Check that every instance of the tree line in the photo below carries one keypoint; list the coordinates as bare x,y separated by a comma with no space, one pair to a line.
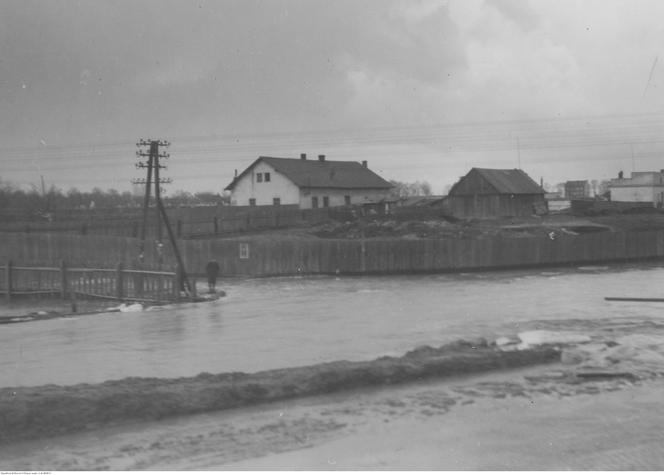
36,202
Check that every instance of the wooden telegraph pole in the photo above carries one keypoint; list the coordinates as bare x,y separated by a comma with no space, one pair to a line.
153,166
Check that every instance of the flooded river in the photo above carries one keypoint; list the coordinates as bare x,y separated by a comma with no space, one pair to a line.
282,322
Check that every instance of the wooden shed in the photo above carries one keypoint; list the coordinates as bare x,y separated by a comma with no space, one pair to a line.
486,192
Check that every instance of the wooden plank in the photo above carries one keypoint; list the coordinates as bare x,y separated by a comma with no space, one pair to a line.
633,299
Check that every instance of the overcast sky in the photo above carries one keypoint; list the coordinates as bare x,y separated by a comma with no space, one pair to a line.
423,90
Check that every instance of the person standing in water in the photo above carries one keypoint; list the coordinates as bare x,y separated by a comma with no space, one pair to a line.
212,270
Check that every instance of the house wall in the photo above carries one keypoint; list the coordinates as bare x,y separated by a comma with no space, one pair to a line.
337,196
483,206
646,194
264,192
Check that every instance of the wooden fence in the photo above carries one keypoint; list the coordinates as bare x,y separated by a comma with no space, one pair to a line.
264,257
71,282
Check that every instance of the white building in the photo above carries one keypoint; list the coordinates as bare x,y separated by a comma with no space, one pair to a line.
307,183
641,187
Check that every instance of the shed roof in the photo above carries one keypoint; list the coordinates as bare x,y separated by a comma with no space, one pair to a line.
507,181
320,174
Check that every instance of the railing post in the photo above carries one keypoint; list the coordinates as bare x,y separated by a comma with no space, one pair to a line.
72,300
63,279
8,280
178,282
119,283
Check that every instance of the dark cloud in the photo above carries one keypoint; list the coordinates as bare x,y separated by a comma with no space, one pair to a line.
182,65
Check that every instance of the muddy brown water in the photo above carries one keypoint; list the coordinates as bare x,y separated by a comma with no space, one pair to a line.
285,322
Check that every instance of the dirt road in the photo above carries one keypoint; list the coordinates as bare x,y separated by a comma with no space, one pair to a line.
523,419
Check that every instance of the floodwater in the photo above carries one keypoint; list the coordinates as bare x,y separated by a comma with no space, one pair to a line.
284,322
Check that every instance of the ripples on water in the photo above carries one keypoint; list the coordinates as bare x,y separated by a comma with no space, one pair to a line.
282,322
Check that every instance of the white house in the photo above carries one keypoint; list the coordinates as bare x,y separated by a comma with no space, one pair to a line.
640,187
307,183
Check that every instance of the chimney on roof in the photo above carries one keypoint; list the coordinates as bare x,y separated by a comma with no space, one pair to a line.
303,156
321,158
365,164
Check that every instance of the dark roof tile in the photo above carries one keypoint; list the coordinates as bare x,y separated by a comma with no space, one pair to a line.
321,174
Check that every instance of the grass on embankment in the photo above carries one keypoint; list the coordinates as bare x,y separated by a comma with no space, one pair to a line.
32,412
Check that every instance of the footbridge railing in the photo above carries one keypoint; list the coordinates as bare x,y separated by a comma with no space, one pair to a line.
71,282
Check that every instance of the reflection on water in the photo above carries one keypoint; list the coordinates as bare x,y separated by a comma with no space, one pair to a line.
280,322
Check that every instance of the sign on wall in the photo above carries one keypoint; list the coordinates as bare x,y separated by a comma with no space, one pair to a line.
244,250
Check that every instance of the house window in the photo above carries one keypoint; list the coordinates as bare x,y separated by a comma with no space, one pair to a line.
244,250
276,201
314,201
259,177
252,201
326,201
267,176
347,200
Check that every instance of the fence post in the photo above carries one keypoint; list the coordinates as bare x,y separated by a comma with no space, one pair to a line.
8,280
119,283
363,256
178,282
63,279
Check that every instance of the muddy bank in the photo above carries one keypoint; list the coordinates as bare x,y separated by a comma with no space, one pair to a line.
32,412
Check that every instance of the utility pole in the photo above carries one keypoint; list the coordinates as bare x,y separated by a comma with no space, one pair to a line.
153,166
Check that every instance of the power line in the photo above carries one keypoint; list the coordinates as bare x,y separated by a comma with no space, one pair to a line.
405,131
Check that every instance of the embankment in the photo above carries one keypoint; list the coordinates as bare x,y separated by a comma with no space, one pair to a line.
32,412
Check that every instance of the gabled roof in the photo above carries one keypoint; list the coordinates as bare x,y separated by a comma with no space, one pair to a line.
320,174
511,181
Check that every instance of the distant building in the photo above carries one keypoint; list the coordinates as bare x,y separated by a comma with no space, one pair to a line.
306,183
577,189
641,187
486,192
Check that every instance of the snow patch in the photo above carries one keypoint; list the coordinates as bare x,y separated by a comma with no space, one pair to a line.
135,307
542,337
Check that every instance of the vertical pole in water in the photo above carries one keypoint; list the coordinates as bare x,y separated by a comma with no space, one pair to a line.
63,280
